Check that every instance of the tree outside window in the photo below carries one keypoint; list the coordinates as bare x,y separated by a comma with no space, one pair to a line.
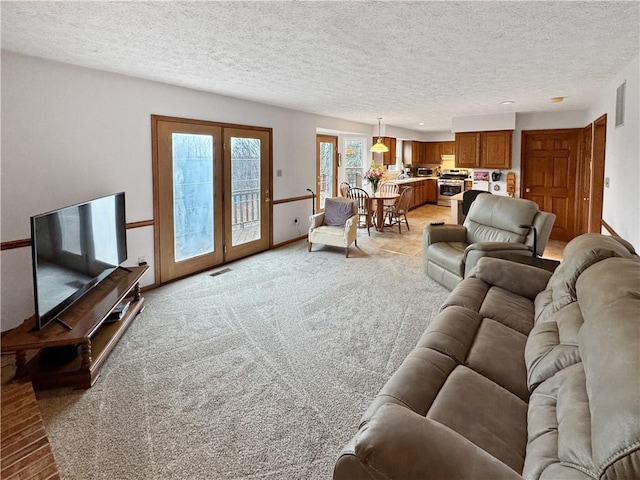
354,161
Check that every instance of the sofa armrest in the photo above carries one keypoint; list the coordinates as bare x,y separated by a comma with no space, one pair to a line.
398,443
476,251
444,233
316,220
524,280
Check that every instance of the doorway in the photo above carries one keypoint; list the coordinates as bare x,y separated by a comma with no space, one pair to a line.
212,201
549,166
326,168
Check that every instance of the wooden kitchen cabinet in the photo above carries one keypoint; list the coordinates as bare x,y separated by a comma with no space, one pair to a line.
447,148
410,152
496,150
388,158
468,150
484,149
432,191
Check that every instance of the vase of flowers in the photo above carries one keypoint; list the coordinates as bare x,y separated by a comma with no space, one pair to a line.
374,175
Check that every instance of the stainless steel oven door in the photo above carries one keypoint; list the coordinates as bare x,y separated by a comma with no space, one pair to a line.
448,188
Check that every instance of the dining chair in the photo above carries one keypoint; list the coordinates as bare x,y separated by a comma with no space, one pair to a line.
361,196
401,207
344,188
388,188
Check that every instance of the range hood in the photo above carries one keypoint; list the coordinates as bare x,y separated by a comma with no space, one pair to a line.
450,158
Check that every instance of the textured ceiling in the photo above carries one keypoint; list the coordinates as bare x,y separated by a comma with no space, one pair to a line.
407,62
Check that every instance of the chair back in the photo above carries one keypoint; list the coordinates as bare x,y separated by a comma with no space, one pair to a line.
468,197
494,218
344,188
361,196
405,200
388,188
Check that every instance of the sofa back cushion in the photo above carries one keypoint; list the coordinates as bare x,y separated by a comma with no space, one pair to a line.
584,421
494,218
579,254
609,341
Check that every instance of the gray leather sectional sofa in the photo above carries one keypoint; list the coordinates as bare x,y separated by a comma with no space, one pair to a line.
524,374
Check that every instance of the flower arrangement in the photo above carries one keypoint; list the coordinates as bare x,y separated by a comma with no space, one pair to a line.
374,175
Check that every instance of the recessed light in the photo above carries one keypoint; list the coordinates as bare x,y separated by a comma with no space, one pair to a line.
507,102
557,99
421,123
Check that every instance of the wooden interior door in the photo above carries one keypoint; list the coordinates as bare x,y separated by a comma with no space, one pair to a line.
597,174
326,169
584,181
549,165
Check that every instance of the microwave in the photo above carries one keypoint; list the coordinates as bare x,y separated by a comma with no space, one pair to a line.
425,172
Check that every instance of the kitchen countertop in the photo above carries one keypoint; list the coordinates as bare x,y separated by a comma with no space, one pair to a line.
411,180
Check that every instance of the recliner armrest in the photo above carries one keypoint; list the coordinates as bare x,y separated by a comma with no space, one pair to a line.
399,443
444,233
524,280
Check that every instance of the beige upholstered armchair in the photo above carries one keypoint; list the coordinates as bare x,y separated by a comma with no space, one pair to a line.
496,226
337,225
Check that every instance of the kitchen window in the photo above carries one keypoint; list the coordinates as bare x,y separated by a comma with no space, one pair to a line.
354,151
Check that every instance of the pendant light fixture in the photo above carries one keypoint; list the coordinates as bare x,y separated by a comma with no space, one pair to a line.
379,147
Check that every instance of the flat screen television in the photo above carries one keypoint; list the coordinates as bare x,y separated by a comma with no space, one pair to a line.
73,249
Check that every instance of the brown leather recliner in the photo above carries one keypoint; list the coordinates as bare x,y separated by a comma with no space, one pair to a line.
494,227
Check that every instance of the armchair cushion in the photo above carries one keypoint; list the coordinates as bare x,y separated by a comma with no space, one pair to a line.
336,212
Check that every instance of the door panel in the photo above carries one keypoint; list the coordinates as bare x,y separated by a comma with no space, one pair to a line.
248,203
549,166
326,168
189,166
584,179
597,174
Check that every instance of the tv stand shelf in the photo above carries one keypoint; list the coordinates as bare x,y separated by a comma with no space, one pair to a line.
89,330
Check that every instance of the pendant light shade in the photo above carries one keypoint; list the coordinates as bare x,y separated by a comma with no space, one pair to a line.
379,147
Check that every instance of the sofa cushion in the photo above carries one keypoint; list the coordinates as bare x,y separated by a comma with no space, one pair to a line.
580,253
337,211
485,413
415,384
553,345
497,353
609,342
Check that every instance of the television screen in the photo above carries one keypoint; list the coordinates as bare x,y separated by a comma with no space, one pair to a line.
73,249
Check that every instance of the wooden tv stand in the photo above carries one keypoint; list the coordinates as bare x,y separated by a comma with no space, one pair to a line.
89,329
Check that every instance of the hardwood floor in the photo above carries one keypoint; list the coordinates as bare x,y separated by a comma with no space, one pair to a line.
410,242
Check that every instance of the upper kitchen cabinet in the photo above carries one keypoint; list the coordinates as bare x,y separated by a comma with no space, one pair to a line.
484,149
388,158
496,150
410,152
468,150
448,148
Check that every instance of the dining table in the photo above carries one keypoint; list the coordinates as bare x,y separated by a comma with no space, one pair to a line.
376,203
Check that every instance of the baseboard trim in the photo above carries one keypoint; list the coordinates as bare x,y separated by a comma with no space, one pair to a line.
288,242
608,228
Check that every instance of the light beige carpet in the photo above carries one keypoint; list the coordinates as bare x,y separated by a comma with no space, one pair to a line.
259,372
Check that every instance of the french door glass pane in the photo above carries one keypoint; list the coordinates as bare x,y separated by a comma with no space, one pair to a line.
354,161
326,171
245,190
192,195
